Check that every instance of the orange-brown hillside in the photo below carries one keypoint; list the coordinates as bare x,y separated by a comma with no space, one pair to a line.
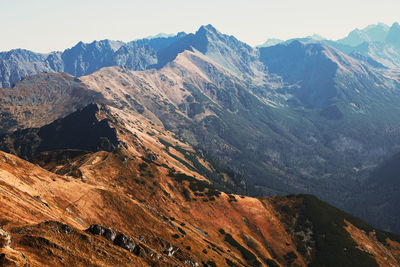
145,204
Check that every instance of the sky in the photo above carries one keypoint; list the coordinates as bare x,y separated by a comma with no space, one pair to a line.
49,25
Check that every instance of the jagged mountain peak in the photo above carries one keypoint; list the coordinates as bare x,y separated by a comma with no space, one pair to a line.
212,35
225,50
393,36
310,72
299,47
16,51
315,49
395,25
372,33
105,44
354,38
21,54
379,25
382,47
79,44
87,58
115,45
207,29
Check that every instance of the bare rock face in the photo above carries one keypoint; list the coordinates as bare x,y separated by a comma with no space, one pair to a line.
5,239
119,239
124,242
96,229
108,233
139,249
82,59
19,63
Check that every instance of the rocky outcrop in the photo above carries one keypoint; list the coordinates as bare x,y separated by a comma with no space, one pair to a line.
19,63
139,249
11,257
5,239
118,239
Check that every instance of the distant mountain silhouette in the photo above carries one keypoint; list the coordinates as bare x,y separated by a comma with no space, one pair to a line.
82,59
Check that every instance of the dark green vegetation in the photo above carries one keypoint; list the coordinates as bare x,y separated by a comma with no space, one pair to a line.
332,244
199,188
216,175
271,263
230,263
381,195
290,257
250,258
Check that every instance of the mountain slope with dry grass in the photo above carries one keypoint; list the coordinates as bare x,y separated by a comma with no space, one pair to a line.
257,134
142,204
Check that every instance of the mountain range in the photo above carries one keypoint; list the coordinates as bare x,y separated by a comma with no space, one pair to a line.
375,44
183,126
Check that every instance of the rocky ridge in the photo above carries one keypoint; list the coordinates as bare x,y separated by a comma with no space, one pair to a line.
127,207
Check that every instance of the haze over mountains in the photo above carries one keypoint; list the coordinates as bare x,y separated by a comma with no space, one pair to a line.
83,59
377,44
303,116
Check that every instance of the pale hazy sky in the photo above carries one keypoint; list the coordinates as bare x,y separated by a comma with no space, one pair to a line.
47,25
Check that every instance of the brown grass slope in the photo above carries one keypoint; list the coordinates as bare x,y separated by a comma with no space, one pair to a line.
147,191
